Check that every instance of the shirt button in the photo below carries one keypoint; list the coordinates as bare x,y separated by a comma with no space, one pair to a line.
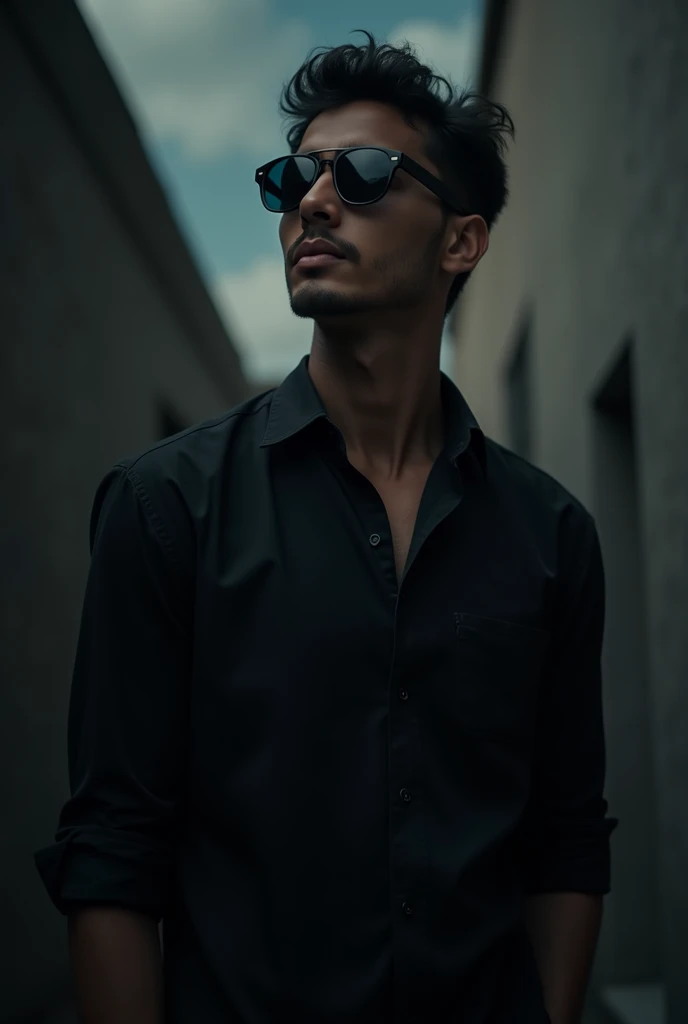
374,539
407,908
403,694
405,795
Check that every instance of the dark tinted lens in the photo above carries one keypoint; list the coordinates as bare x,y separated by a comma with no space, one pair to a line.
363,175
287,182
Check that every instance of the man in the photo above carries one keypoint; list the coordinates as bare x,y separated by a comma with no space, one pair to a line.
336,714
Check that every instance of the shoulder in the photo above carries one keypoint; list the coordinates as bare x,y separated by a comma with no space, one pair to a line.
549,508
193,458
557,524
176,479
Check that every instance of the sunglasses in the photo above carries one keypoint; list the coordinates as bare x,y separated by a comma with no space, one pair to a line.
361,175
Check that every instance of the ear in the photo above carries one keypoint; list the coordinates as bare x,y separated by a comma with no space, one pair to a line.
467,243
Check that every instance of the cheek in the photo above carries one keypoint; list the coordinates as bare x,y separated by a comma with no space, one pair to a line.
395,247
288,231
391,231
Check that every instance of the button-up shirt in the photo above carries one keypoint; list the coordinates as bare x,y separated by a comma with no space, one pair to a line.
334,788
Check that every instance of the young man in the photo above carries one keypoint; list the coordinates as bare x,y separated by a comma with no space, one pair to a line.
336,714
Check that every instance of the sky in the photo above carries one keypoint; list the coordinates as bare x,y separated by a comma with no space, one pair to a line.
202,79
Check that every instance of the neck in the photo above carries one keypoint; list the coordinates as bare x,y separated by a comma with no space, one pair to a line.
381,388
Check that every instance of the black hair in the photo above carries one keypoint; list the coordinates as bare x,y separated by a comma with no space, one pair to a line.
467,132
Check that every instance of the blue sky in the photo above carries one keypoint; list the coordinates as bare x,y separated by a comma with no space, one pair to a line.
202,79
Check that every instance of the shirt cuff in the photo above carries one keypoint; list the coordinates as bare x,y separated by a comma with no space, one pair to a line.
566,856
105,866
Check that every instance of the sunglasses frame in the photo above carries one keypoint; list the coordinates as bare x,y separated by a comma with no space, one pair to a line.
397,160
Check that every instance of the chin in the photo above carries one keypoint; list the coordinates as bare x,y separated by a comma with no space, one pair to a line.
317,301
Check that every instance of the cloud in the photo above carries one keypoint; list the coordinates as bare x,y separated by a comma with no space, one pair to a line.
204,74
450,50
256,307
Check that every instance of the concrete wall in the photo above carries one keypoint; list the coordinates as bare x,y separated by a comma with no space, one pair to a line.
106,333
593,247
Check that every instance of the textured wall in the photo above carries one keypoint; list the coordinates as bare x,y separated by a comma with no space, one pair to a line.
91,344
594,243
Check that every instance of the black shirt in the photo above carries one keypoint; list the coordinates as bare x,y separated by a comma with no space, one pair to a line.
335,790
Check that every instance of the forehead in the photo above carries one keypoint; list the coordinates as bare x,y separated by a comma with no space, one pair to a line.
364,123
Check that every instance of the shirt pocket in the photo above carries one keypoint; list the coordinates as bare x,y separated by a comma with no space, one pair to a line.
499,665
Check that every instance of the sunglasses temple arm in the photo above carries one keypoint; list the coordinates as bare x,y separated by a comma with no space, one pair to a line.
431,182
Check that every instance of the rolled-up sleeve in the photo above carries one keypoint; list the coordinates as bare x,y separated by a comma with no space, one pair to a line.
567,828
128,721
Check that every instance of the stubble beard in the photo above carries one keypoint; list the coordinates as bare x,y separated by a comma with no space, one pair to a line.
402,287
315,300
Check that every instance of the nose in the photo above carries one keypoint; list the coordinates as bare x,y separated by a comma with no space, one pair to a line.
321,203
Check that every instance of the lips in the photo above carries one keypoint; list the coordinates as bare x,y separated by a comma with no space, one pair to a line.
316,253
321,259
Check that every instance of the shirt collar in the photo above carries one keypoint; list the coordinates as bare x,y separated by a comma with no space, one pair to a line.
296,404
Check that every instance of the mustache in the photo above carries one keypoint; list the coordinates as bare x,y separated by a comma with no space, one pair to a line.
346,248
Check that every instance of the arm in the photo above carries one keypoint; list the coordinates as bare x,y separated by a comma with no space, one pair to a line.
567,848
563,928
111,867
117,966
